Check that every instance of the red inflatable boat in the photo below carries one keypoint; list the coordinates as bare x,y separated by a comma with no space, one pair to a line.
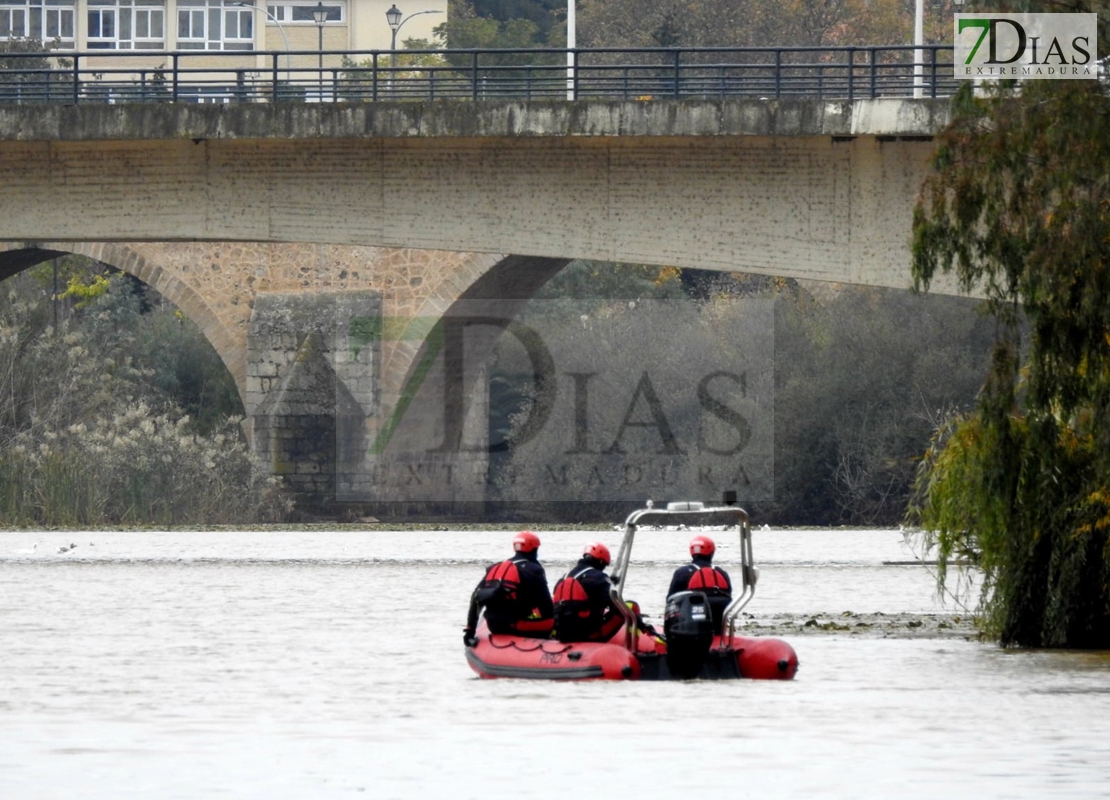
691,649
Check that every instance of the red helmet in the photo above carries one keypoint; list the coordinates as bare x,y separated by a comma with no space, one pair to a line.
702,546
598,551
526,542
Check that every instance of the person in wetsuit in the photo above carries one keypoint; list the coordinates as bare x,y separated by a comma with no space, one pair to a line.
701,576
513,595
584,608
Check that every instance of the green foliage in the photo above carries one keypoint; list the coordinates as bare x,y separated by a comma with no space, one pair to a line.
483,33
54,275
592,284
543,14
644,417
862,379
30,46
185,367
412,62
358,76
133,467
468,28
668,33
583,280
1019,207
85,292
29,75
511,24
1023,499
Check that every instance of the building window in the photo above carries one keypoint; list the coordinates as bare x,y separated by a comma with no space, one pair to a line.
49,21
302,12
214,25
127,24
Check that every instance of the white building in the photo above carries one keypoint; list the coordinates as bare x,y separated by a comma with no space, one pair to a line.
208,26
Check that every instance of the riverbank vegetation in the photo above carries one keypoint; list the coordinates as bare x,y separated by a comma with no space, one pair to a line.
115,410
1020,206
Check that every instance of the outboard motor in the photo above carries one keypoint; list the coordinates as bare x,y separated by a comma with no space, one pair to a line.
688,628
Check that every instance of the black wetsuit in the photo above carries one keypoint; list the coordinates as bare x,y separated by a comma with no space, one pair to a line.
717,588
521,607
592,618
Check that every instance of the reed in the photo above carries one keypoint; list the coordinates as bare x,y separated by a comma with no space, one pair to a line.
135,467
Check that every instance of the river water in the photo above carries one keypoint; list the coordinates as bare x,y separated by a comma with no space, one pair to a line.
316,664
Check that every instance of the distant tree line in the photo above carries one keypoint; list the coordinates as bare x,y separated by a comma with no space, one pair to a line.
862,378
671,23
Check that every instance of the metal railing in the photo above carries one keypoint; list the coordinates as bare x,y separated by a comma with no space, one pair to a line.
371,76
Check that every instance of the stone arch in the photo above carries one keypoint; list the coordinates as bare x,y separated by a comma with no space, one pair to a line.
216,284
503,282
20,256
511,280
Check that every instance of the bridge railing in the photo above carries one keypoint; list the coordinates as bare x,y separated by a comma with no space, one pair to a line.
478,74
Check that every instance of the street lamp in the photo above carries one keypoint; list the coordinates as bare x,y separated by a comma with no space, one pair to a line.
393,17
320,16
918,52
571,44
284,38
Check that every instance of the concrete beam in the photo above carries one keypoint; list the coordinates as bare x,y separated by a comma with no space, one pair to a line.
447,118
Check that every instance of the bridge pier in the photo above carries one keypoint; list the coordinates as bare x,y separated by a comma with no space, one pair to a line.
310,386
314,410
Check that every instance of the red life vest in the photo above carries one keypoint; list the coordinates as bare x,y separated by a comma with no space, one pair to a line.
573,613
570,592
708,578
503,579
500,591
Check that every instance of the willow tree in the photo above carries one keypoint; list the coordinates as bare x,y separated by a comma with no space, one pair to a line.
1018,208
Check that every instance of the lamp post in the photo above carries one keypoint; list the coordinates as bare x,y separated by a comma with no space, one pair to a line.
284,38
918,52
571,44
320,16
393,17
396,19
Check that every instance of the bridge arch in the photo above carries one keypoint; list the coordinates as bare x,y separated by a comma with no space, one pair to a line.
216,284
189,298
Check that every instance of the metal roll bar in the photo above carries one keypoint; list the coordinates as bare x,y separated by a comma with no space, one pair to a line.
749,573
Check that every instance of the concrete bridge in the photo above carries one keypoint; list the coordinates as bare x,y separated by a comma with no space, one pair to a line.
281,229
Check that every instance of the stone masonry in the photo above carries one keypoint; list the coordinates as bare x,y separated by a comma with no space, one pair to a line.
806,207
809,189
